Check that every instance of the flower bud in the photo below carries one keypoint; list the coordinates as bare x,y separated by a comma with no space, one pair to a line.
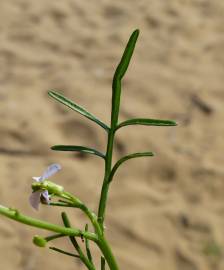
36,186
52,188
39,241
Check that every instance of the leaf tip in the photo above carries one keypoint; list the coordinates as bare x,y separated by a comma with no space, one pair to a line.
54,147
136,32
50,92
151,154
173,123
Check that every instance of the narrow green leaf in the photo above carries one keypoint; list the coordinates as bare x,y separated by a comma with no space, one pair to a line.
126,57
146,122
64,252
76,148
72,239
60,204
69,103
102,263
118,75
88,252
122,160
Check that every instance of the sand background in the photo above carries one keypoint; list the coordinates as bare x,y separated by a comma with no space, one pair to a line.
165,212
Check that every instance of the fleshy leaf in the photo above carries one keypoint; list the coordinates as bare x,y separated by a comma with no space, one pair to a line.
146,122
69,103
126,57
120,161
77,148
119,74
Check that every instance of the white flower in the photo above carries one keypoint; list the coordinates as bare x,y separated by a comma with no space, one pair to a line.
41,195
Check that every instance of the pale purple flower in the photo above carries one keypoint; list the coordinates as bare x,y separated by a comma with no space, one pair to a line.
42,195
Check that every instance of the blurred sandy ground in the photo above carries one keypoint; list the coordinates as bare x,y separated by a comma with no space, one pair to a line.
164,213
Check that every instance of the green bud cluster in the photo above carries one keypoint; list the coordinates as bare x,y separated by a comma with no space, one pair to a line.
51,187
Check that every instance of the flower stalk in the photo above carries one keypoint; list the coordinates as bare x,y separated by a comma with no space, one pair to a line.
17,216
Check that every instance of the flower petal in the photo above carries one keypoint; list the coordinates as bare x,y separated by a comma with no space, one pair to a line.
52,169
34,199
46,196
37,178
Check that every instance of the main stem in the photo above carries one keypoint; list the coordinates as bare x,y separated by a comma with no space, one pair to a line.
105,187
116,89
107,253
98,227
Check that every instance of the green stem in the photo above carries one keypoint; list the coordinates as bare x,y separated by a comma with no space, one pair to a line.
101,242
107,253
60,204
54,236
83,258
105,186
102,263
16,215
88,252
116,87
79,204
116,95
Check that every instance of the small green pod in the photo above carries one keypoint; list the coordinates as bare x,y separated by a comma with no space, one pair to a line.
39,241
36,186
52,188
